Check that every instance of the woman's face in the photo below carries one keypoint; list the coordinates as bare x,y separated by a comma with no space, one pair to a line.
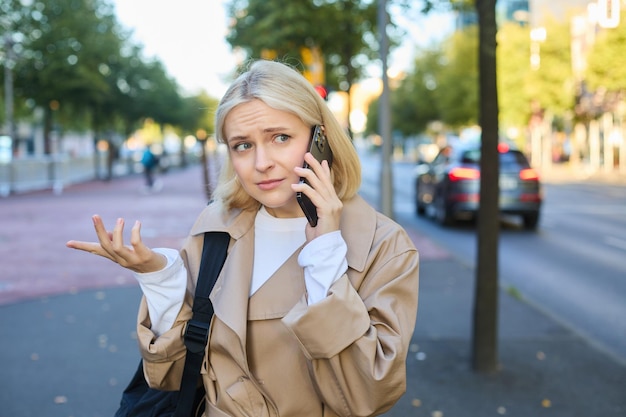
265,145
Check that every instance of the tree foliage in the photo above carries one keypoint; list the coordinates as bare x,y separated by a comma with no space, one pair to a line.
344,30
414,102
552,84
451,71
76,62
513,56
606,68
457,92
441,86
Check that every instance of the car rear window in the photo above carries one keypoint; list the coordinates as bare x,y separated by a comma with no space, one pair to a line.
471,156
513,158
507,159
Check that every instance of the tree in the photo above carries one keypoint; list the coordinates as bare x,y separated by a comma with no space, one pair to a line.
485,317
414,102
457,81
606,67
485,323
343,30
60,73
552,84
12,12
513,72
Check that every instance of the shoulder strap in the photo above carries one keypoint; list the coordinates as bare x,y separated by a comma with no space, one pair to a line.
214,254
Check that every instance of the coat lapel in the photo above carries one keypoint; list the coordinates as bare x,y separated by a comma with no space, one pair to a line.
279,293
230,294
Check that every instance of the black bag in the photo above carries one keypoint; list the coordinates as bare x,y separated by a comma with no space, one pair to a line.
138,399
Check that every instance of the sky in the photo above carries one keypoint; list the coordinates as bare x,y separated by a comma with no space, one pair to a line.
188,36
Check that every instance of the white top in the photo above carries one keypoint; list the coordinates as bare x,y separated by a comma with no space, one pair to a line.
276,239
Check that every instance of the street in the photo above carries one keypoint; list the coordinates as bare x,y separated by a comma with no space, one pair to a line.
68,319
573,268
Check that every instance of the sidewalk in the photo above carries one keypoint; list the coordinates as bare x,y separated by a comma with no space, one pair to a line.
67,319
564,172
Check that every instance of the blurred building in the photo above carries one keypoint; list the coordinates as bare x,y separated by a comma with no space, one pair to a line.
524,12
506,11
559,9
513,11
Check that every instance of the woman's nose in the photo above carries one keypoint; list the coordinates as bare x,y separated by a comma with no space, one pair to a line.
264,159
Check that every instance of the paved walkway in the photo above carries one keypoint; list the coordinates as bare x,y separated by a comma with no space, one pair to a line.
67,319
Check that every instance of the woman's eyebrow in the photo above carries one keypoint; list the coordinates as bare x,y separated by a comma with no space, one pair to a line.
275,129
236,138
266,130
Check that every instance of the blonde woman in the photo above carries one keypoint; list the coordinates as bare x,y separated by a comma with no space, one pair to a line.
309,321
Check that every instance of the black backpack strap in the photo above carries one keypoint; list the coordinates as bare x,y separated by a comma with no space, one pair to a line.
197,332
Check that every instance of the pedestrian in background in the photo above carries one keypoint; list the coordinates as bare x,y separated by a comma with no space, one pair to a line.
150,162
309,320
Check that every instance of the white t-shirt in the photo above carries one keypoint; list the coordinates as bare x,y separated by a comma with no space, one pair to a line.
276,239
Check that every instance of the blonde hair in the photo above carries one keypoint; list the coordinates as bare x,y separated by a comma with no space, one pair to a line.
283,88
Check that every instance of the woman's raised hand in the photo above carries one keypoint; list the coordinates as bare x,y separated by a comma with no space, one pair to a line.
322,193
137,257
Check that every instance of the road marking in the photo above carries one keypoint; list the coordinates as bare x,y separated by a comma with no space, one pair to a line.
613,241
582,209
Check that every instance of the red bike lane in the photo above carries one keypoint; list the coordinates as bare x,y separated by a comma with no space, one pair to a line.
34,228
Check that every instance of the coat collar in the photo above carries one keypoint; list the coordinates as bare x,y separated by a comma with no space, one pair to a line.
230,296
358,225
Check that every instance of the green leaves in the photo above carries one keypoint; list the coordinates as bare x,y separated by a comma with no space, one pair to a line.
342,29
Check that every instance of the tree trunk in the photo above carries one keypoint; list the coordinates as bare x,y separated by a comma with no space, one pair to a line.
485,331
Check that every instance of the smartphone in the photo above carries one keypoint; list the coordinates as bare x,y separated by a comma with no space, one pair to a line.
321,151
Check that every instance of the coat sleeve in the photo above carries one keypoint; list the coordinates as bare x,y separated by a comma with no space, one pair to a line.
357,338
164,356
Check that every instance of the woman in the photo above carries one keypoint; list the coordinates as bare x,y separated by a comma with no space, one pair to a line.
309,321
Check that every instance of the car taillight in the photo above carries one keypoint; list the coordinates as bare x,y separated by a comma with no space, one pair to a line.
529,174
458,174
530,198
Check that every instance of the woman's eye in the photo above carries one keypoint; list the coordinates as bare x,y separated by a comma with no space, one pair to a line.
240,147
281,138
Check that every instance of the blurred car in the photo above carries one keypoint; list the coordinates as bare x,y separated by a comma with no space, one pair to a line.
448,188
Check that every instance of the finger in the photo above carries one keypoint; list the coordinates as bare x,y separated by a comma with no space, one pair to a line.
98,224
314,164
316,182
321,169
118,236
135,240
91,247
104,236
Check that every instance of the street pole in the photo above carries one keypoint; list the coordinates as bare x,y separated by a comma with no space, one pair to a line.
8,87
386,181
202,138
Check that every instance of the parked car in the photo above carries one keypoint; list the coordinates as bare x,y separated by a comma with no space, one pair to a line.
448,188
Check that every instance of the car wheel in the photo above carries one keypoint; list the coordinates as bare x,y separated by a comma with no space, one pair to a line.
443,216
530,221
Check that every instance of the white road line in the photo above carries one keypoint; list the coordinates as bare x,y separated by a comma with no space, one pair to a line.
583,209
613,241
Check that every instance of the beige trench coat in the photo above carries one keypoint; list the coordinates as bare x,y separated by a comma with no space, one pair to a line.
273,355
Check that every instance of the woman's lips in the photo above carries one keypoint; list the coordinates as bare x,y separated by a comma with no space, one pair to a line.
269,184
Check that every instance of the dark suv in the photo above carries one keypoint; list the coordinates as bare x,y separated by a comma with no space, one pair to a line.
449,187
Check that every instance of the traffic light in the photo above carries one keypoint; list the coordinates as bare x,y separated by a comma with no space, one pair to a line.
322,91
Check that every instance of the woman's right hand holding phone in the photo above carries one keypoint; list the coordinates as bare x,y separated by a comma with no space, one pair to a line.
137,257
321,191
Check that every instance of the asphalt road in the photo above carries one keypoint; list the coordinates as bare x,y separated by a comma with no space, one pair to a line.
67,319
573,268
